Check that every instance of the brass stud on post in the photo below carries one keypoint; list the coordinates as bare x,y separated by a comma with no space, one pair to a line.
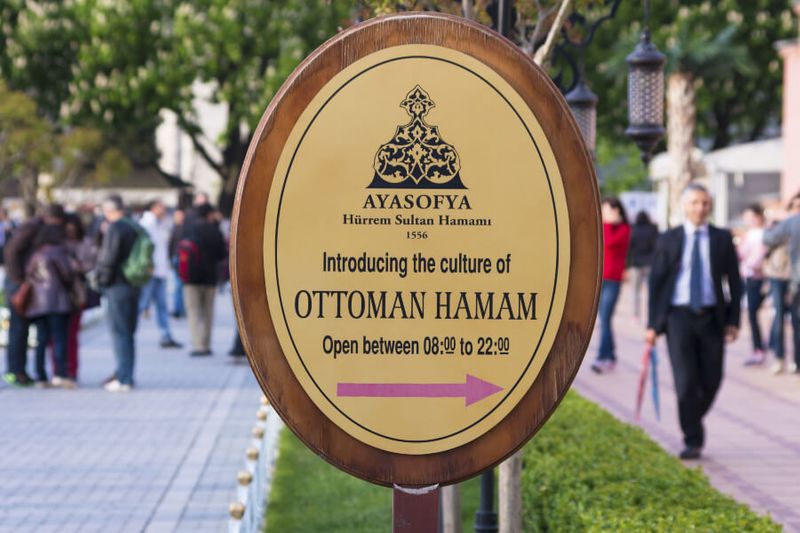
252,453
261,415
236,510
258,432
244,477
264,400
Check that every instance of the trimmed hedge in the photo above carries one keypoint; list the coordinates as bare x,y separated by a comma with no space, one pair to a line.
586,471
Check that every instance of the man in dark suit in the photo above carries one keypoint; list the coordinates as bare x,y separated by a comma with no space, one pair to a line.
687,302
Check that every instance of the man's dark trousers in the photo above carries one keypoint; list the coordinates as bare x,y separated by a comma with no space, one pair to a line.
696,343
18,325
123,315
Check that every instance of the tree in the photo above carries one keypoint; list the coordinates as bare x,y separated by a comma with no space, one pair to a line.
25,143
245,49
694,55
31,146
732,106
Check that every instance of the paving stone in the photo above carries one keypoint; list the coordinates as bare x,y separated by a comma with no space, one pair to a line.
88,460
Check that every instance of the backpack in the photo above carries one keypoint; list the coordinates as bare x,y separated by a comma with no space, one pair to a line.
138,267
189,261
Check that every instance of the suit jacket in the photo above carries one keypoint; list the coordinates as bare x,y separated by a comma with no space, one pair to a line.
666,266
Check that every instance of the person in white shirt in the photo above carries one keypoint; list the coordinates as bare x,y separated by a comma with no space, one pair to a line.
688,304
751,256
156,222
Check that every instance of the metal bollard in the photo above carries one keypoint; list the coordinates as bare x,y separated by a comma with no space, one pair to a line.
236,510
247,513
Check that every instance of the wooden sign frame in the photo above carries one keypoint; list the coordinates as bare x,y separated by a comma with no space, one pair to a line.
247,262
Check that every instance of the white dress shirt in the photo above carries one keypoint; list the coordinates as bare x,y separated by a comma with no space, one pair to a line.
682,286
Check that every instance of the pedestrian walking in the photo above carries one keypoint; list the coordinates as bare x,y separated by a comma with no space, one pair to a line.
787,232
644,235
616,238
17,252
778,270
121,295
200,251
751,256
155,222
687,302
84,256
51,275
178,221
6,227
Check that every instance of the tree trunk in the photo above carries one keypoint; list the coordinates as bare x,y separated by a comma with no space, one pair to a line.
680,137
451,509
510,495
29,186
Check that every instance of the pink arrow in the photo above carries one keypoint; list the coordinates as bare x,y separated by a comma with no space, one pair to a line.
473,390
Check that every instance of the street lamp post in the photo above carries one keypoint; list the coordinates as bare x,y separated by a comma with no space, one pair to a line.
583,103
646,92
486,516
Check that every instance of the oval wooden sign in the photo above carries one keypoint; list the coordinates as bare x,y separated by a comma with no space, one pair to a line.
416,250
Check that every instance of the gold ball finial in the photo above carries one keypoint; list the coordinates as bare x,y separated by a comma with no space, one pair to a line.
258,432
252,453
261,415
236,510
244,477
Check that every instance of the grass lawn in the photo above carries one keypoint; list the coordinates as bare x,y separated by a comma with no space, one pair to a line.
309,495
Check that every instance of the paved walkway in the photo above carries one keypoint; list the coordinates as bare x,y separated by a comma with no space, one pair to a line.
753,431
162,458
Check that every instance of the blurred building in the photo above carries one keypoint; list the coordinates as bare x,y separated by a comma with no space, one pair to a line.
790,52
179,157
737,176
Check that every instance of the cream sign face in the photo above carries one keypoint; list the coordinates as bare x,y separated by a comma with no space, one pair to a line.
416,249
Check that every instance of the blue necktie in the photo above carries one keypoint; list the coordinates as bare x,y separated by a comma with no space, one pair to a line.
696,279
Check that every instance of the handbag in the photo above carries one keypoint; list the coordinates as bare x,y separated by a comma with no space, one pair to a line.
78,293
22,298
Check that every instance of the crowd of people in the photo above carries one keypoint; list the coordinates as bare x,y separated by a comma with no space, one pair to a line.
59,264
699,277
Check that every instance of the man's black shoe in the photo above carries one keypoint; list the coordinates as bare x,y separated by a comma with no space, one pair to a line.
236,353
170,343
690,453
199,353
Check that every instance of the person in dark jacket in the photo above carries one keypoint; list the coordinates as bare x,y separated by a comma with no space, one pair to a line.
644,235
121,296
198,293
178,221
17,252
51,274
688,303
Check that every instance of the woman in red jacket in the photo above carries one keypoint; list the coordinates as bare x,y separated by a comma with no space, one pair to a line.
616,237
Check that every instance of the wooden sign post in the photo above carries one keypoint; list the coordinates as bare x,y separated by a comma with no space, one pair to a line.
416,250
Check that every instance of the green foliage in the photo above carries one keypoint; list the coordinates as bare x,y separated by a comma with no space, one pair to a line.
114,66
31,144
25,137
309,495
586,471
619,167
740,92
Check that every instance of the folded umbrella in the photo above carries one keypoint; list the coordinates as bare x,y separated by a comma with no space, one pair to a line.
654,375
642,380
